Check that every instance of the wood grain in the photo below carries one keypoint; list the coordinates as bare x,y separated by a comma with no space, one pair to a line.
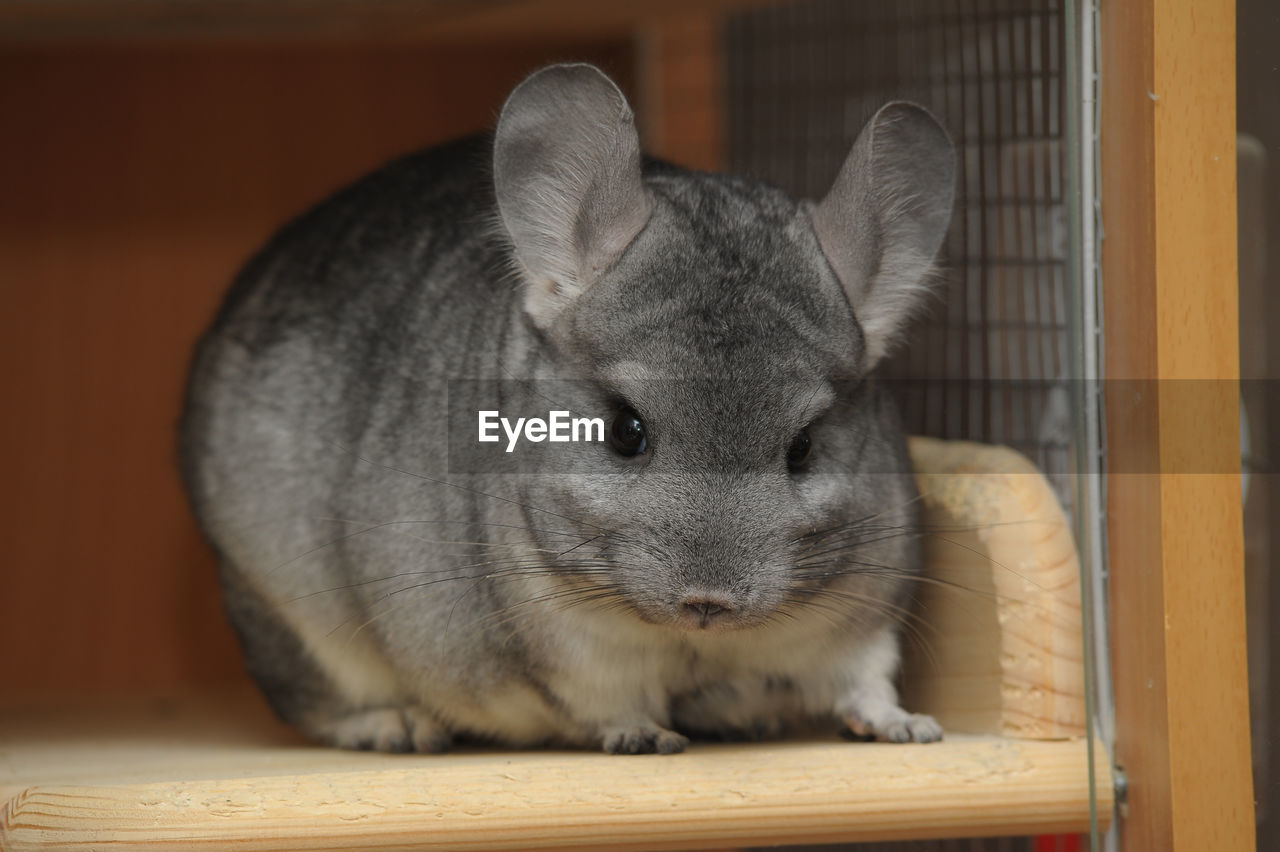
1174,525
999,648
218,773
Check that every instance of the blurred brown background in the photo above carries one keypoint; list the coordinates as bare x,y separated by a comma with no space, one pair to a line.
143,159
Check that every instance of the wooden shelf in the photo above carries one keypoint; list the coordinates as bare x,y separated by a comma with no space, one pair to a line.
211,773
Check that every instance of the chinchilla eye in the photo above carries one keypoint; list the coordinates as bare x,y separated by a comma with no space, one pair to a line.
627,434
798,452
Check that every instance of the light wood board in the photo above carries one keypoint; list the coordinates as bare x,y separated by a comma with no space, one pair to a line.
214,772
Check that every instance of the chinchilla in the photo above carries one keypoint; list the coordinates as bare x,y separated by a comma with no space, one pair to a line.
736,556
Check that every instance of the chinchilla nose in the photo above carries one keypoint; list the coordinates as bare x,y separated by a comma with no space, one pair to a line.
704,607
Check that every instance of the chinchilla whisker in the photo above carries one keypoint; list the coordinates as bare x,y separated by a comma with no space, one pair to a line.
623,544
522,561
983,555
852,545
360,628
522,568
910,621
923,641
561,597
401,605
605,601
863,526
417,521
877,604
940,528
579,544
354,534
608,601
815,596
865,538
855,545
320,547
862,521
461,487
865,530
564,598
987,558
847,567
515,573
916,579
476,584
507,563
517,561
781,612
813,392
470,544
455,578
349,586
865,533
867,569
918,628
927,529
835,618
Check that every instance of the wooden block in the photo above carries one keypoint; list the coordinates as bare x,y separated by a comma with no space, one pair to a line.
998,646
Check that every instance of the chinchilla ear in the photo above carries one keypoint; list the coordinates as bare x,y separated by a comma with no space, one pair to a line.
567,174
882,222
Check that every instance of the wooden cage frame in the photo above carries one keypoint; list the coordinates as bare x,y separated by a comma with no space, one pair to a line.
1169,260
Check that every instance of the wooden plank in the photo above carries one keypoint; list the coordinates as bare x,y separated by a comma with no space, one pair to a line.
212,773
1201,513
1169,271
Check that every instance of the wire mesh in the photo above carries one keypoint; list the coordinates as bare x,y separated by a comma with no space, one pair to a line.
990,359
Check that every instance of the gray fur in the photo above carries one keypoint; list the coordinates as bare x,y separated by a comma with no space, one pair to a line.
885,216
383,601
567,170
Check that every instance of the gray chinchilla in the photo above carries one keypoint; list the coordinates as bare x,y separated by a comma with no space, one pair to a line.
736,555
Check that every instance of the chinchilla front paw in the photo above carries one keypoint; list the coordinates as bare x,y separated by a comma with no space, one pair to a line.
389,729
643,739
897,726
